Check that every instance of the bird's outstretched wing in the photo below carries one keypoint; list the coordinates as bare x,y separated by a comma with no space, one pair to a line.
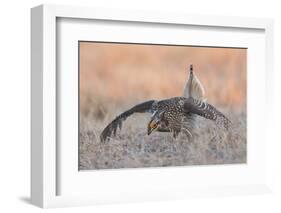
206,110
117,122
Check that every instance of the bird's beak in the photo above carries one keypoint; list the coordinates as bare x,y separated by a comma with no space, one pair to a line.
152,126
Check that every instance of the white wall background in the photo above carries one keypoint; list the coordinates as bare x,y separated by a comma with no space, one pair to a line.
15,103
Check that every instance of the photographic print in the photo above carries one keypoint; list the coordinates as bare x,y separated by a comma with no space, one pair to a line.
150,105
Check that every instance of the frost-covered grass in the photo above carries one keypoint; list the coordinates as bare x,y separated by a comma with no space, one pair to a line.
133,148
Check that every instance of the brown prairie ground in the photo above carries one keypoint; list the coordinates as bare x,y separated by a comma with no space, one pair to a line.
114,77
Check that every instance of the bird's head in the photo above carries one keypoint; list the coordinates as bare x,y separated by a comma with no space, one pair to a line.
154,123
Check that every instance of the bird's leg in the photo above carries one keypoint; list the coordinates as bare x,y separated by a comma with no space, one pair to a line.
187,132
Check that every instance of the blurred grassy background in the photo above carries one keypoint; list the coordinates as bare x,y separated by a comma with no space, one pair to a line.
125,73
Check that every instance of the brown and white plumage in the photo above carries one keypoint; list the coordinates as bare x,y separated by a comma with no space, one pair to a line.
193,87
168,115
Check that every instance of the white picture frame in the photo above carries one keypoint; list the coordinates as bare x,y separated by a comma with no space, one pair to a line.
46,168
